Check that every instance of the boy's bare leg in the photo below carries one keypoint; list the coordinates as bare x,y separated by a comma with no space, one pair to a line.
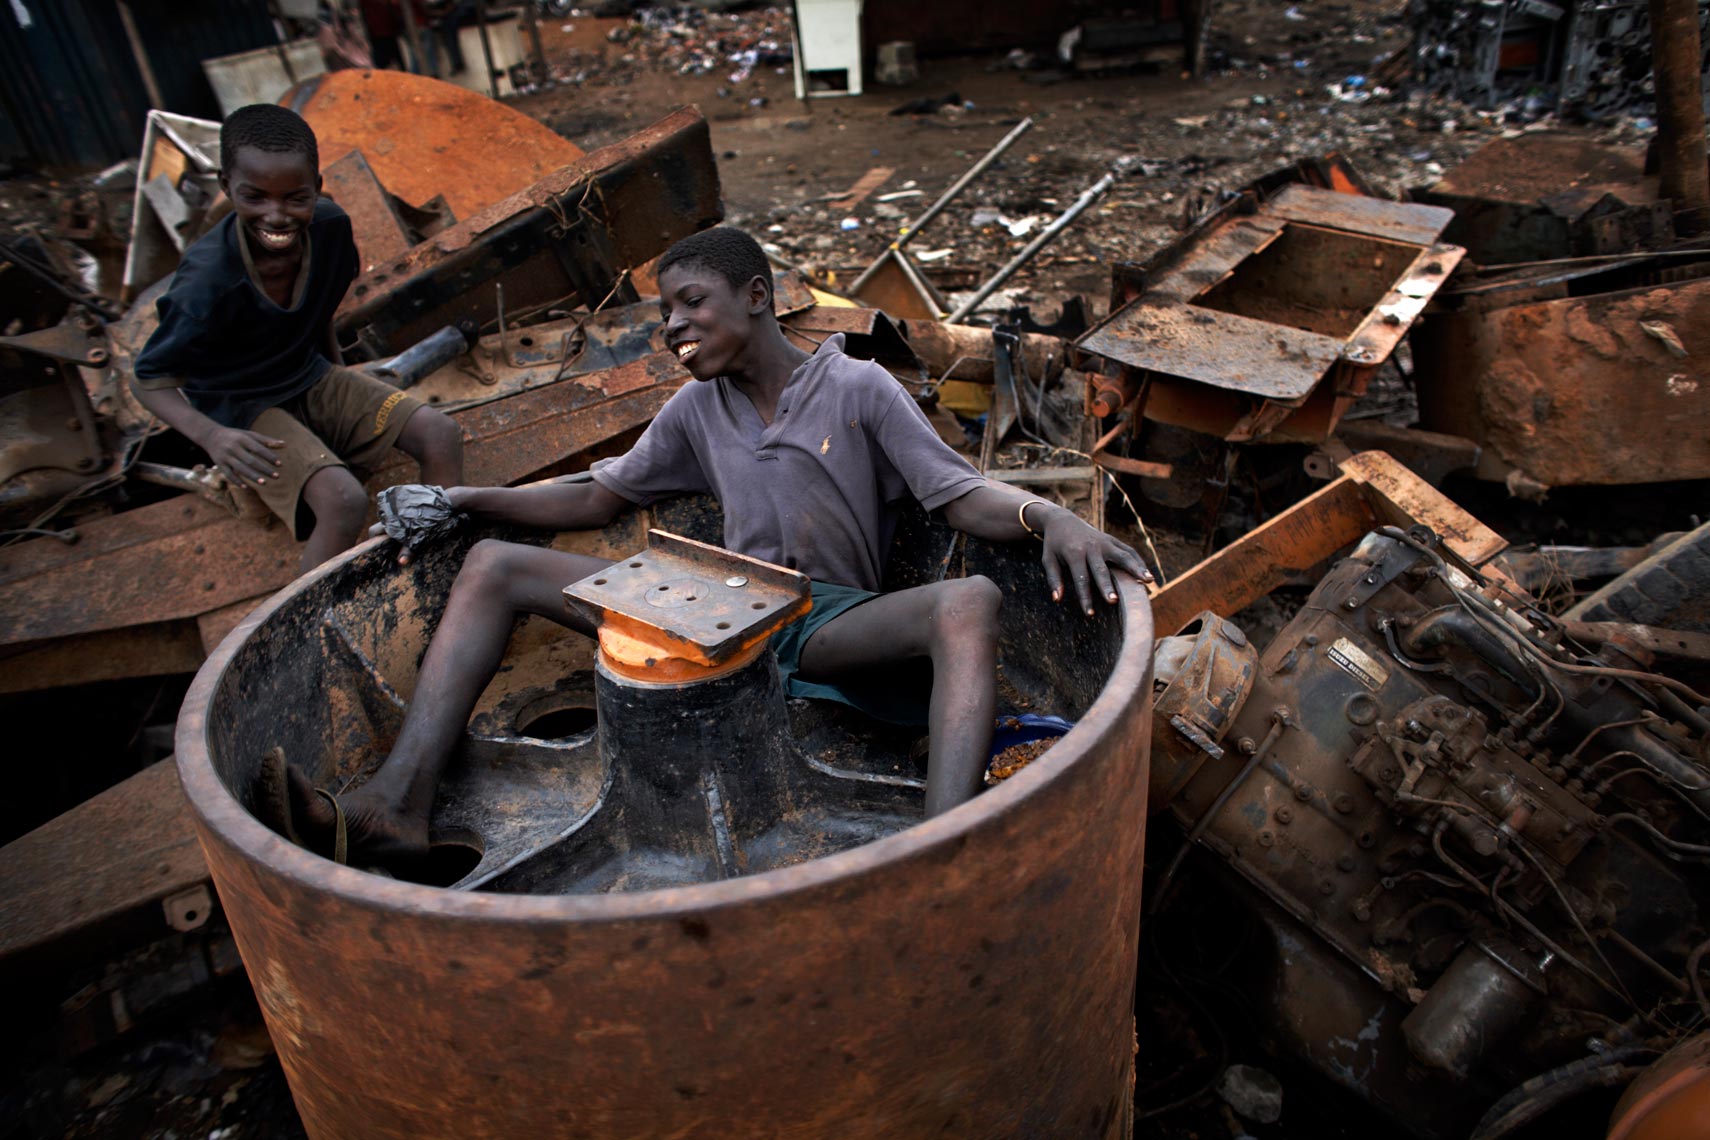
387,818
953,622
435,442
340,506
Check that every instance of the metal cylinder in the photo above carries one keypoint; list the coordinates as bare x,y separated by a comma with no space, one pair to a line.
1481,998
428,356
972,975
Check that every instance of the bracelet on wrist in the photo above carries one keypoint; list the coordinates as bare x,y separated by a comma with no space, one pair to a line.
1022,516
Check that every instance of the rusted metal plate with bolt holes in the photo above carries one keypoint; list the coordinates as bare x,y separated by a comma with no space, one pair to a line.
707,604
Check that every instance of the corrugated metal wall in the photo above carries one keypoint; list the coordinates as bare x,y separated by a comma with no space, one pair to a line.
70,89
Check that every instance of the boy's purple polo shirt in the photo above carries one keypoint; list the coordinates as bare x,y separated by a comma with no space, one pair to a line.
817,489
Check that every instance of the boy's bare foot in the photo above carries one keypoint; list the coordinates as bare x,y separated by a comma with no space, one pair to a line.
376,833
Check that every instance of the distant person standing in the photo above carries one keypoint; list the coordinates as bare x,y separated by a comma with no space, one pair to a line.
387,26
452,15
384,22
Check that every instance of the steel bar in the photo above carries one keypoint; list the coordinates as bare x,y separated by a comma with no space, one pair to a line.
1088,196
487,48
1684,179
944,200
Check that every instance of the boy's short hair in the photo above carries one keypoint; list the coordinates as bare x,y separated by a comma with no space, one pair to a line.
269,127
725,250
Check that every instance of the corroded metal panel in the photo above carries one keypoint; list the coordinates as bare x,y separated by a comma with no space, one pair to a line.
186,556
1576,391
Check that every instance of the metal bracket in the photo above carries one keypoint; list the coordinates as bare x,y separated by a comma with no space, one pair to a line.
189,909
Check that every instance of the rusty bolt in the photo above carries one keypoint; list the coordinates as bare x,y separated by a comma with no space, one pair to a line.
1345,863
1246,746
1310,639
1386,773
1351,604
1285,815
1303,792
1365,839
1345,804
97,357
1326,888
1266,839
1362,911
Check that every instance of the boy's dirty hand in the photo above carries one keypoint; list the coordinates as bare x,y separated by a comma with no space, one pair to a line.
1085,555
414,514
247,456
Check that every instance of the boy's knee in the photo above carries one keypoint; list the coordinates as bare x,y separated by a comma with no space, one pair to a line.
439,434
488,562
968,605
336,498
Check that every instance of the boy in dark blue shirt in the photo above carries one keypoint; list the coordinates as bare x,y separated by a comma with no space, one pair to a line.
245,364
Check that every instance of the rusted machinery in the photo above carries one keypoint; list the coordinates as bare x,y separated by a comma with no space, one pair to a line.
1469,835
971,975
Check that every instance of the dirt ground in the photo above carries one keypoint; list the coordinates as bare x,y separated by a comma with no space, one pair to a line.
1278,89
1265,101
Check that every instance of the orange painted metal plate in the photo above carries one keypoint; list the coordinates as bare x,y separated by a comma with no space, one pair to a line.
424,137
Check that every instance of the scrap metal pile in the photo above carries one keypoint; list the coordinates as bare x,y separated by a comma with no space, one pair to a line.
1467,822
1585,57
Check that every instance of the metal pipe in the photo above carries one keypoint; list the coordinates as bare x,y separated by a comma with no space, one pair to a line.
1090,195
932,211
425,357
140,53
487,48
538,67
1684,180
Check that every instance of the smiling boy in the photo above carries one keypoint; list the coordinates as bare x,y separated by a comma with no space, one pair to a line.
811,457
244,362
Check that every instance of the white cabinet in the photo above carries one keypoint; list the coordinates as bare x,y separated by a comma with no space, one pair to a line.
828,47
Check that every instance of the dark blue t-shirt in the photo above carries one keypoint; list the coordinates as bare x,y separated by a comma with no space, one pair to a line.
235,352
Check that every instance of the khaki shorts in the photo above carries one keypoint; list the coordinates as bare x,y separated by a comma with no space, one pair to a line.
349,419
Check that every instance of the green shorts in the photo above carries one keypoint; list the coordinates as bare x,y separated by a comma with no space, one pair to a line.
896,694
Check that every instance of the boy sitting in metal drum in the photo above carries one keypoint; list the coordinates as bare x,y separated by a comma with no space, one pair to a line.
244,362
810,456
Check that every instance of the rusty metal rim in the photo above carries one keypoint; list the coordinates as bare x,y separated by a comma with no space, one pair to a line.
220,810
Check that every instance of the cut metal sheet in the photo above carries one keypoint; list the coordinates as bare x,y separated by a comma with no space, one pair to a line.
425,137
1269,319
1378,217
564,241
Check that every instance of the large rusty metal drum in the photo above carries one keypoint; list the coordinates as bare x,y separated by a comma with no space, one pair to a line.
971,975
